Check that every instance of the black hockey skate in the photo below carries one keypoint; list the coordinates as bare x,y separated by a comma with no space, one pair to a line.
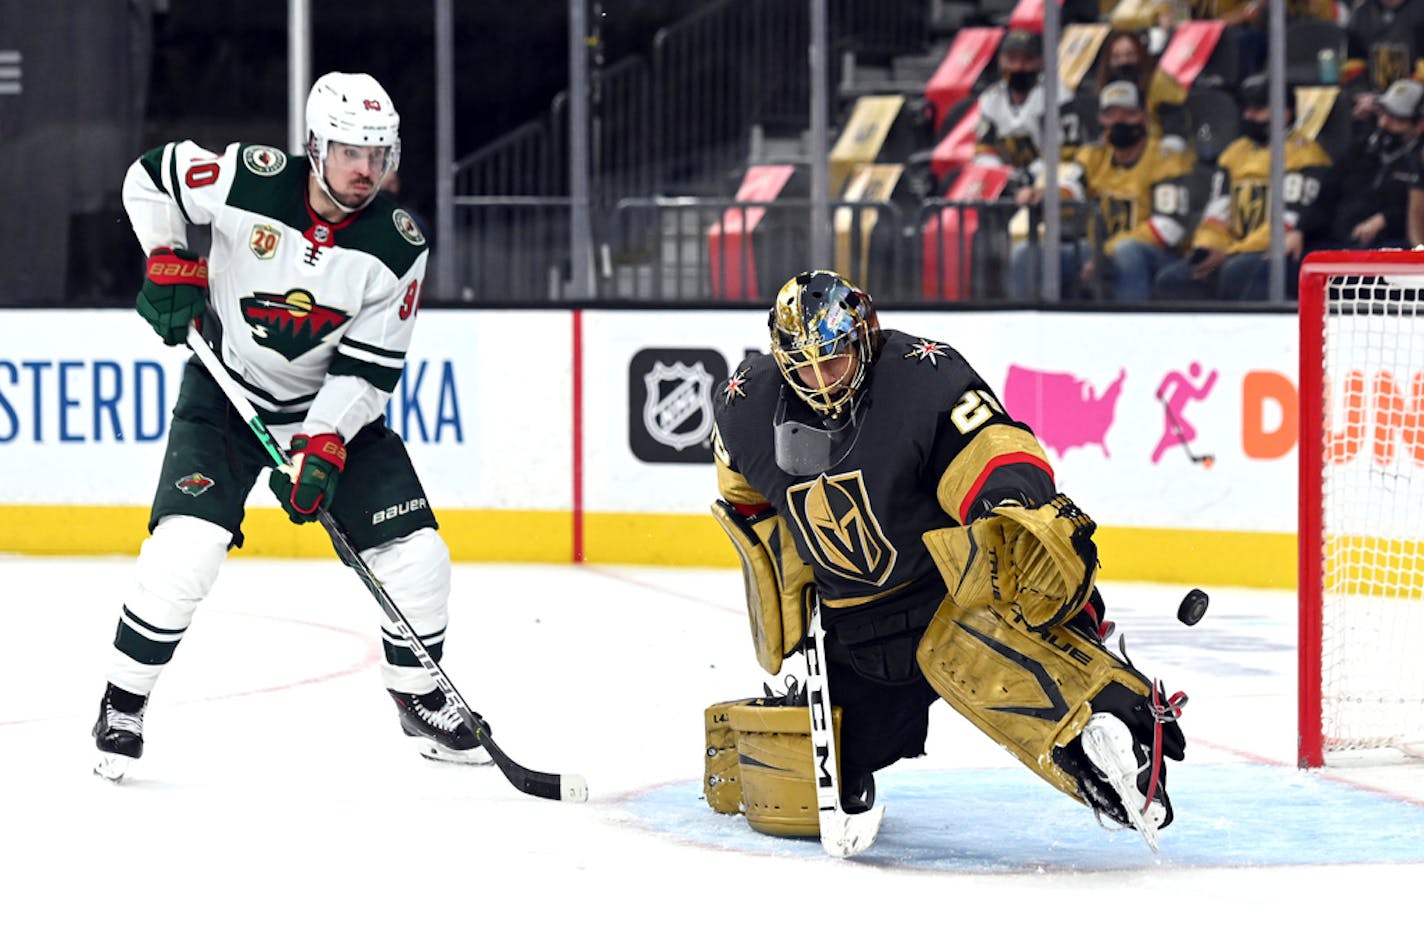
118,733
439,731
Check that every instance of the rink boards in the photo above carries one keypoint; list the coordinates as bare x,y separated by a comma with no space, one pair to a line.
556,435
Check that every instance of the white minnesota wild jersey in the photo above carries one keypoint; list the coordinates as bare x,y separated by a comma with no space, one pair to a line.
316,317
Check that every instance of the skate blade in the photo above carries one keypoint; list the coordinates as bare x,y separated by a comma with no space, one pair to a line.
432,750
1105,752
112,767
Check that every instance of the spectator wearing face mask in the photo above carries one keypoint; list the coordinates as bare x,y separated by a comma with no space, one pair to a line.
1125,57
1137,184
1414,216
1011,110
1364,198
1234,235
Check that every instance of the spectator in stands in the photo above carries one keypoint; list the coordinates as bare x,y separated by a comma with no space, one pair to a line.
1414,217
1364,196
1010,133
1384,42
1234,235
1010,130
1244,18
1136,181
1125,56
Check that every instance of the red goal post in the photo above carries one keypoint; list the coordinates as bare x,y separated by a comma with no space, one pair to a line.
1361,507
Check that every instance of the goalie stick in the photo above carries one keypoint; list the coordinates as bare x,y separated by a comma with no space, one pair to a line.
842,834
571,788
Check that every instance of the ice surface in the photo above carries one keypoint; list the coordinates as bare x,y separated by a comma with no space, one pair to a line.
277,803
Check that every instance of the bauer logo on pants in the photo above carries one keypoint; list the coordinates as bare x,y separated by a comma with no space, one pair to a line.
670,404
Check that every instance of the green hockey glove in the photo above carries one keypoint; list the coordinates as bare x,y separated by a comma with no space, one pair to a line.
174,292
317,463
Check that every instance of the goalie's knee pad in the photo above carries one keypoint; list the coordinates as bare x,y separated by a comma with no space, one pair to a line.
779,583
759,756
1033,692
415,572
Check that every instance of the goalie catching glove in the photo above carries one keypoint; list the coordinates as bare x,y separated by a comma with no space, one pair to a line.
310,483
174,292
1033,567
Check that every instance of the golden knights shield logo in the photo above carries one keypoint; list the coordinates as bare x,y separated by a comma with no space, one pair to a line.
840,528
1388,62
1119,214
1248,205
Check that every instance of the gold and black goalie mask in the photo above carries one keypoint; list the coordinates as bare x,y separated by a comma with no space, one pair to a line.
823,335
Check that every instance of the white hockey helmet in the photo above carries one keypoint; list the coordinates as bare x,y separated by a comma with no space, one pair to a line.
353,109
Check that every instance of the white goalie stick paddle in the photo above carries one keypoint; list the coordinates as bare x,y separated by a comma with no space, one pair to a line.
842,834
570,788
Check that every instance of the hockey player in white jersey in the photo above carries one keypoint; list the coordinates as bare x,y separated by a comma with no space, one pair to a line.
309,297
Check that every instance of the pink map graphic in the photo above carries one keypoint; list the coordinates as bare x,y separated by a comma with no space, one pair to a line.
1063,410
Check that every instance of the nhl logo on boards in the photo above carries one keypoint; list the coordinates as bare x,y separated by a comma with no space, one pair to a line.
407,227
670,404
264,161
194,484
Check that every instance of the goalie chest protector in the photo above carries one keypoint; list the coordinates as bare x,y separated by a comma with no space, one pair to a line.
860,521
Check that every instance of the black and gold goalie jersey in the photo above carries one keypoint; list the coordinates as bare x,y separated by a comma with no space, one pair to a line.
1237,218
930,446
1145,201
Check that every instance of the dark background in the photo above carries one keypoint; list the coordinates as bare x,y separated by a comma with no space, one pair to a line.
104,81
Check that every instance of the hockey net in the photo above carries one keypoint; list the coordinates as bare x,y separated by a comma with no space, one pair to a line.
1361,522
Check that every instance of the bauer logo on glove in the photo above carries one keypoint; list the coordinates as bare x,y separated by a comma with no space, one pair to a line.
174,292
309,485
1034,567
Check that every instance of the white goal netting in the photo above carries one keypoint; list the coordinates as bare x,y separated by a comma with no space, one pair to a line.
1371,642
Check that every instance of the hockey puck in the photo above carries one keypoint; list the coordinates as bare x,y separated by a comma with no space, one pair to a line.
1193,607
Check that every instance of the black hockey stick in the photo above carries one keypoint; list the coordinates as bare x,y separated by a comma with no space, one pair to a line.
571,788
1205,460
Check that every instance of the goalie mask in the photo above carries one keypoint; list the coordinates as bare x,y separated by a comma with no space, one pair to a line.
351,109
824,335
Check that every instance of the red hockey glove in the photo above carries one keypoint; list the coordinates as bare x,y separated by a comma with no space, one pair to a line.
317,463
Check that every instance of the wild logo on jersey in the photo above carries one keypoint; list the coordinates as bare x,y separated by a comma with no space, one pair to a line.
292,323
840,529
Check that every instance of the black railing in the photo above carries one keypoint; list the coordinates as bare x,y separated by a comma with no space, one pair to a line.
709,250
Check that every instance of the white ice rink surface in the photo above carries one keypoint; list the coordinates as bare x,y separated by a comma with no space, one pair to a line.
277,803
